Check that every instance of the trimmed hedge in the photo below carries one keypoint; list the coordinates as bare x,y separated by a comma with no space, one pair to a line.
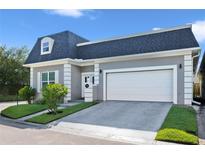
178,136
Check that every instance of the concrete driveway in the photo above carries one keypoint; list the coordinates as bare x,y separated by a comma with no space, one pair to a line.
145,116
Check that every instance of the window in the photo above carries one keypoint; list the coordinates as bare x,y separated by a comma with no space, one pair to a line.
47,78
46,47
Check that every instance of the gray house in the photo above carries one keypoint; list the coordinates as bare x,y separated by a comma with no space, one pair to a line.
152,66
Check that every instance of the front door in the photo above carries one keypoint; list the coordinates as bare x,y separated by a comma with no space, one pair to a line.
87,78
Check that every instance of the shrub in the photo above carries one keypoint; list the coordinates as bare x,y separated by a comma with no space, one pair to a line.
40,101
27,93
175,135
52,94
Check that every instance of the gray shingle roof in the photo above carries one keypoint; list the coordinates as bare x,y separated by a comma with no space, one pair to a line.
65,45
170,40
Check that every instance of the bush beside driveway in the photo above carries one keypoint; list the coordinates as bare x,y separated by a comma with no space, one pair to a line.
179,126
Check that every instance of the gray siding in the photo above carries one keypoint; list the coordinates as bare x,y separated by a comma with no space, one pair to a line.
75,82
143,63
87,68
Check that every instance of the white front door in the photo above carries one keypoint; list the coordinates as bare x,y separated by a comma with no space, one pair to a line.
87,78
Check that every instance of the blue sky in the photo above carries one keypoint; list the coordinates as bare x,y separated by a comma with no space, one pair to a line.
23,27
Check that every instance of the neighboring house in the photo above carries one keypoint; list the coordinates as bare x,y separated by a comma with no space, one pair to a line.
203,78
153,66
200,80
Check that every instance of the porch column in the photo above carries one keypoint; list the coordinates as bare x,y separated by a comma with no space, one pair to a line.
96,73
31,77
67,81
188,79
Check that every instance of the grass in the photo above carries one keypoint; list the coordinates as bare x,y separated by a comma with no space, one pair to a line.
178,136
6,98
49,117
22,110
179,126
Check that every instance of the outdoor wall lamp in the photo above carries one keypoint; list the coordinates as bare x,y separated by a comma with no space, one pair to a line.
180,66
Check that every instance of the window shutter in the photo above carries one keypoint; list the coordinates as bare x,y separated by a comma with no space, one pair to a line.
56,76
38,82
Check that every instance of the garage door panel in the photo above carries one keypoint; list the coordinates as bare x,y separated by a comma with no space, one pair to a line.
142,86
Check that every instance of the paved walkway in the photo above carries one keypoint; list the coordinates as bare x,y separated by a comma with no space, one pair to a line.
4,105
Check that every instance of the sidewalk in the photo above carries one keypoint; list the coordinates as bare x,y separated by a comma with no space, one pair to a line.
109,133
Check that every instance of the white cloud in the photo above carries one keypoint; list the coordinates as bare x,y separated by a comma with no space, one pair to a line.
156,28
198,28
74,13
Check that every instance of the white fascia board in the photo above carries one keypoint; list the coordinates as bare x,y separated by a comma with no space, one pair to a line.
80,62
52,62
135,35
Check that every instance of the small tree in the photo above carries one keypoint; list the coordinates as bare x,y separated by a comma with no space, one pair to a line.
27,93
53,94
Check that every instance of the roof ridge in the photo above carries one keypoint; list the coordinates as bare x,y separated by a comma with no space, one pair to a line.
138,34
65,31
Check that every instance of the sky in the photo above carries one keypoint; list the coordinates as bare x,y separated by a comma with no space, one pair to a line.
23,27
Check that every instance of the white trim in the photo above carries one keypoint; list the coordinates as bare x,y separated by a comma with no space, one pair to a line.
86,73
50,45
48,63
31,76
38,82
188,79
96,73
67,81
174,67
135,35
56,76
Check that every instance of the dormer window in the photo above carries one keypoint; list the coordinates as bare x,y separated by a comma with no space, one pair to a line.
46,45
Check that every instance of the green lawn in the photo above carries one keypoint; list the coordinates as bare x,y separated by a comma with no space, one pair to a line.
180,125
48,117
22,110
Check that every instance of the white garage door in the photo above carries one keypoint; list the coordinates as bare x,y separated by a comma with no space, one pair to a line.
141,86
